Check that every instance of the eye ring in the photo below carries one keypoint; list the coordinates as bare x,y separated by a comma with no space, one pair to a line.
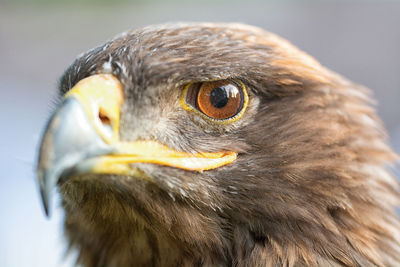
222,101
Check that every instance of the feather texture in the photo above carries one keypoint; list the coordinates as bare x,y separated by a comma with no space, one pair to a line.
310,187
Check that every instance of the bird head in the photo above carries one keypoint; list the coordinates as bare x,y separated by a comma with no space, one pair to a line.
221,140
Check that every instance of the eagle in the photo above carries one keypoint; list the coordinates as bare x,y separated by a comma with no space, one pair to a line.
218,144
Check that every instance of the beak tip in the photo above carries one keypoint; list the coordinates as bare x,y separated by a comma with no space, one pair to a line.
45,202
45,187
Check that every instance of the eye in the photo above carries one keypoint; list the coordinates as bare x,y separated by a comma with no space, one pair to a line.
218,100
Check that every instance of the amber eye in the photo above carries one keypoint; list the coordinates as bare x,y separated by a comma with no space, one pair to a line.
218,100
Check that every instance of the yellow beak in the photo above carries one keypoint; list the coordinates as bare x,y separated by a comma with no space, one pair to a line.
83,137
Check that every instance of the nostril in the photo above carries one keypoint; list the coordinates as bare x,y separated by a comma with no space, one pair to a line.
104,118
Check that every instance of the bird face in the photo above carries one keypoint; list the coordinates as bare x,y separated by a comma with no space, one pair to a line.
198,132
129,118
95,104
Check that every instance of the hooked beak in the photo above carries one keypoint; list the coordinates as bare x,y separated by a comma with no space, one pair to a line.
82,136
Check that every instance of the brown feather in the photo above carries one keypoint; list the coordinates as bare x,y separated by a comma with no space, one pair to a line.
311,185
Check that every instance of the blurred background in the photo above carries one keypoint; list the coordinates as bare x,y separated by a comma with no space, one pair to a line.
39,39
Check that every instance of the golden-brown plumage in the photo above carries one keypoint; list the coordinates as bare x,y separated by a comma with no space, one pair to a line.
310,186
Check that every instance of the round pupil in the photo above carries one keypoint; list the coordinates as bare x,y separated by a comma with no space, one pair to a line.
219,97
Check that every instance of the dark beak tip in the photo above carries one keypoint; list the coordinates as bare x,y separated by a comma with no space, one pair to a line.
45,207
45,201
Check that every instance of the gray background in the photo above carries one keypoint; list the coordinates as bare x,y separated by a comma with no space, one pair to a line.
38,40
